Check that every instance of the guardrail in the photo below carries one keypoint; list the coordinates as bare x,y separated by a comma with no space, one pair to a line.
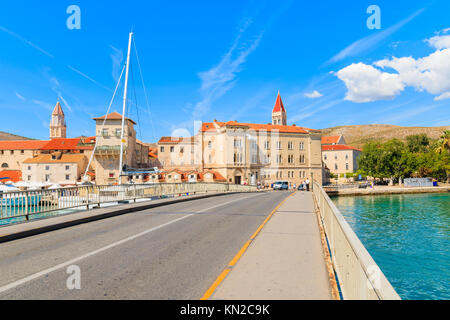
25,203
358,275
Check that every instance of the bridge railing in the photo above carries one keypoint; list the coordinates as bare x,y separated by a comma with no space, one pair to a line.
358,275
25,203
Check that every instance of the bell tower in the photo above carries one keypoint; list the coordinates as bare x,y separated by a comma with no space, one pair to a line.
58,123
279,113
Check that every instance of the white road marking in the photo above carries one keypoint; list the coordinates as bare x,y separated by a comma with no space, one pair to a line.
112,245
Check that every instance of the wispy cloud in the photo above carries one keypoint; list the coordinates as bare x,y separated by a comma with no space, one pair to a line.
221,78
313,95
364,44
117,59
43,104
88,78
31,44
18,95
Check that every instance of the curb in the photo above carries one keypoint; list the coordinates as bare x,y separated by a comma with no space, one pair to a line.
120,210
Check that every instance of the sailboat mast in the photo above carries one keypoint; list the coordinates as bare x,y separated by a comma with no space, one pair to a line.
124,109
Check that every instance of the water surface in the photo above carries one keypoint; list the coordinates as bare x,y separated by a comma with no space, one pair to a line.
408,237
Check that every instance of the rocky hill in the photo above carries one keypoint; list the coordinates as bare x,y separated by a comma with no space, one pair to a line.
358,135
9,136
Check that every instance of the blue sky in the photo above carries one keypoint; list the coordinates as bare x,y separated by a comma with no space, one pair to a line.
225,60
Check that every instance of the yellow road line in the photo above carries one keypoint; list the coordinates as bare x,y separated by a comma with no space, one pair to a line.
236,258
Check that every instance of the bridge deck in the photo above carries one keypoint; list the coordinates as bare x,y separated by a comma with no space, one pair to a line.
285,260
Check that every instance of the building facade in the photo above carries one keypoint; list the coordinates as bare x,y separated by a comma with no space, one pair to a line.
339,157
249,153
107,153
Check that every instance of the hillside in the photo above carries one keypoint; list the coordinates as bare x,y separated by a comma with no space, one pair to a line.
9,136
358,135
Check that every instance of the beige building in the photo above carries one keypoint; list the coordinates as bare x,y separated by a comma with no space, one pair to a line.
248,153
338,156
58,126
107,152
57,167
14,153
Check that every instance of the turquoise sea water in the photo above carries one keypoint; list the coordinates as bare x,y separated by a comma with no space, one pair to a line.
408,236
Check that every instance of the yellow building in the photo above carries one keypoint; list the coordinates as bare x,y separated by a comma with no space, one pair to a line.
339,157
107,152
248,153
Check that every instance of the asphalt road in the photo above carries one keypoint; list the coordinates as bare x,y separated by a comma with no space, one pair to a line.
169,252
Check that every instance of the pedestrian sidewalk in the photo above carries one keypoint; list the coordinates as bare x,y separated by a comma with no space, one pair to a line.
285,261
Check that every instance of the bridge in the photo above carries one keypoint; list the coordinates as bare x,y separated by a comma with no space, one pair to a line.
189,242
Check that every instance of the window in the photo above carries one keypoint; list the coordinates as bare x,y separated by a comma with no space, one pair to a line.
302,158
267,145
346,166
172,149
29,168
291,158
161,149
290,145
12,151
47,168
22,151
118,133
5,165
335,157
47,178
67,176
279,145
279,158
237,143
325,157
335,166
302,146
105,133
346,157
209,144
181,149
29,178
2,152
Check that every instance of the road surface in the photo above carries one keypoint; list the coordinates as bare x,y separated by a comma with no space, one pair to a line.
170,252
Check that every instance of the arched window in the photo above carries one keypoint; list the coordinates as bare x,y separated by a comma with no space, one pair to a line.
5,165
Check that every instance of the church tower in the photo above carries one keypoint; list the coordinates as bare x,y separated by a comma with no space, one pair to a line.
279,113
58,123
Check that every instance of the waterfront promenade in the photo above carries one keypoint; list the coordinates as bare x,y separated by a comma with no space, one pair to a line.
285,261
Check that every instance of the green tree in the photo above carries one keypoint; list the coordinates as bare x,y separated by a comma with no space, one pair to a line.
443,144
418,143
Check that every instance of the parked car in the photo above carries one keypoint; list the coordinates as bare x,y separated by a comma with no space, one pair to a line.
281,185
301,187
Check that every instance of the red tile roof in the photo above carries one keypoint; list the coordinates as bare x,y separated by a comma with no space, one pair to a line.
208,126
176,140
330,139
113,116
58,110
279,107
65,144
22,144
12,175
338,147
65,158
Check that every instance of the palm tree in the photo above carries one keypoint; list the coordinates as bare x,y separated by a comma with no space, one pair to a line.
443,143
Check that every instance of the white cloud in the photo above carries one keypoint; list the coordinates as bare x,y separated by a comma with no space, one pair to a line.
20,96
439,42
366,83
313,95
43,104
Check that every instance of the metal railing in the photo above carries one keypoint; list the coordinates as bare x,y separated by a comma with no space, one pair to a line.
358,275
25,203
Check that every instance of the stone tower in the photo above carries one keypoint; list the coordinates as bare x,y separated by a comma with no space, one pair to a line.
58,123
279,113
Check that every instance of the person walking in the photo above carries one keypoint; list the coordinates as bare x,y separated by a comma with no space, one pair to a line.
307,184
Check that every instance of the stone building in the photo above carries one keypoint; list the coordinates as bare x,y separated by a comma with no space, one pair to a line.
107,152
339,157
248,153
